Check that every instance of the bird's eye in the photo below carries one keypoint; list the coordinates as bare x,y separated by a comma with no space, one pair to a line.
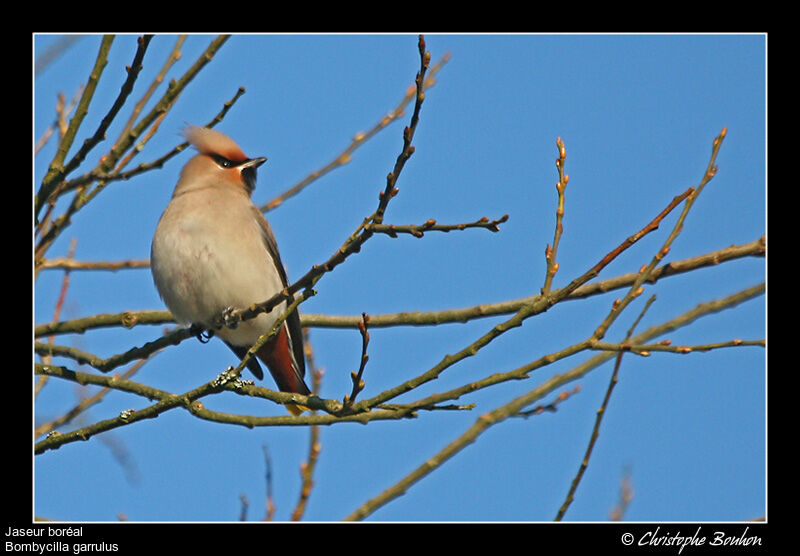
222,161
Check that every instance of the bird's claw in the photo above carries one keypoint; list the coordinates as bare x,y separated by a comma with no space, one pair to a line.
201,333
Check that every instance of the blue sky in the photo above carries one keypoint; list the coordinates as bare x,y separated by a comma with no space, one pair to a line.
638,115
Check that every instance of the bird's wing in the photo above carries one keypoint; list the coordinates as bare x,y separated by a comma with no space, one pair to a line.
293,321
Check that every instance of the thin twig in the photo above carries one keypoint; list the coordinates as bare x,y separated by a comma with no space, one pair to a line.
356,377
82,197
665,346
550,407
53,51
56,171
106,365
66,263
625,497
540,305
314,445
503,412
273,331
269,501
190,400
513,407
57,314
61,114
358,140
96,174
354,242
599,418
129,319
391,230
644,273
550,253
431,226
172,57
166,102
84,404
51,180
408,136
126,89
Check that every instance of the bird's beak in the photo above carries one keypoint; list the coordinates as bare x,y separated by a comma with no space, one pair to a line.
253,162
248,169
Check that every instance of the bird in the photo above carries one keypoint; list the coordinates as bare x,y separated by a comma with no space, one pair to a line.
213,251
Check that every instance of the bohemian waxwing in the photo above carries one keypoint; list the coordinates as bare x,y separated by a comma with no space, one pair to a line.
213,250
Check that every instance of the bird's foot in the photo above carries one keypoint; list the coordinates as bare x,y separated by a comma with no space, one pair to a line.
199,332
229,318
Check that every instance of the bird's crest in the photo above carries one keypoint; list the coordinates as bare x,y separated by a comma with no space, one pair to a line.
209,141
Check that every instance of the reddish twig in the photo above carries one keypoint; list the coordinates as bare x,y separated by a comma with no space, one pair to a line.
625,497
552,406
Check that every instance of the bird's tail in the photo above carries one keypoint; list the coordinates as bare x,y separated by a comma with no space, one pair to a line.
286,365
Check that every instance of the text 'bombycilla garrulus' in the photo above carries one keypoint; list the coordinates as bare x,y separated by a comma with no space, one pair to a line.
213,250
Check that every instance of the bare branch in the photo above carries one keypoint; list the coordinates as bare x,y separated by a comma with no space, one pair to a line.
314,445
61,114
431,226
540,305
358,382
57,170
550,253
82,197
550,407
361,234
66,263
172,57
665,346
358,140
57,314
84,404
128,319
492,418
599,418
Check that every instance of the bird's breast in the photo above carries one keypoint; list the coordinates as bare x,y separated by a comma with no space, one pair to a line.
207,255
